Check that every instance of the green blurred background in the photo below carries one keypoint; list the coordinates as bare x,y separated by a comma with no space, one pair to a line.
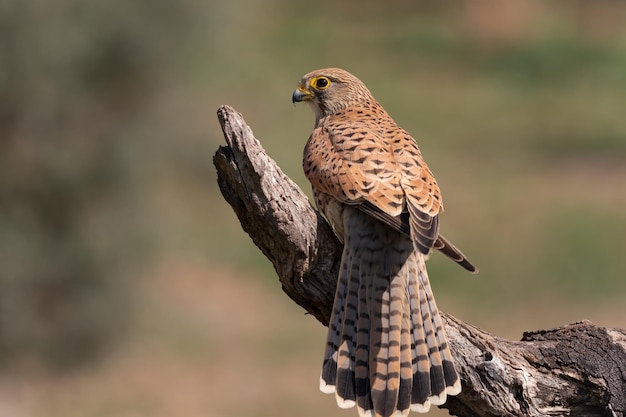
127,287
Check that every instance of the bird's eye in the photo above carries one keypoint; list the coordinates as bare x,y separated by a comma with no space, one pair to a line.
321,83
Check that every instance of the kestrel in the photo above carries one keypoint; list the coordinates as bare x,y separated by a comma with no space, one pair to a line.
387,351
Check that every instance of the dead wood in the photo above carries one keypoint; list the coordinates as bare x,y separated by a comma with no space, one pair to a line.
575,370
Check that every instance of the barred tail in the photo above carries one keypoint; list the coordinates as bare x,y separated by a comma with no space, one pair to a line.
386,349
434,375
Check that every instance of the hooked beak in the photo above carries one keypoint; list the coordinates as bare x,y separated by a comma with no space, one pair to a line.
301,94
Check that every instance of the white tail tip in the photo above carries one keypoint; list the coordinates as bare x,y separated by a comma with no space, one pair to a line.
454,389
402,413
365,413
325,388
421,408
343,403
438,399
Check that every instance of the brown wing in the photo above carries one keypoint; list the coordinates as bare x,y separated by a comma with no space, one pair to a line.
363,159
423,198
382,172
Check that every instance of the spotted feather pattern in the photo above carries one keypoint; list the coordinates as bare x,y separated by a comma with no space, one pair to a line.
386,350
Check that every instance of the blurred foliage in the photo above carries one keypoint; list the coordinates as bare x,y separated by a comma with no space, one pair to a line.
107,129
73,77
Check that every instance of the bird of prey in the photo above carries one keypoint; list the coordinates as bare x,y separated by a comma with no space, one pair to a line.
387,351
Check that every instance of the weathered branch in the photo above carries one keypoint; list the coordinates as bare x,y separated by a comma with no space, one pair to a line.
575,370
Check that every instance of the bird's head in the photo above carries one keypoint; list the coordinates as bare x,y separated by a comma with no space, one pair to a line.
330,90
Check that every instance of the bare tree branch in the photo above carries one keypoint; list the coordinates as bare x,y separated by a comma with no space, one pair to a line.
576,370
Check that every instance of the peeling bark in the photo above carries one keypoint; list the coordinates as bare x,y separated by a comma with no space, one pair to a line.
575,370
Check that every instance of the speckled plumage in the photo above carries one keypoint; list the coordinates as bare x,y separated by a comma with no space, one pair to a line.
387,351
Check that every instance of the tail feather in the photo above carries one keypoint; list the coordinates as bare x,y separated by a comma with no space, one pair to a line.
345,391
386,350
386,307
420,361
362,380
451,384
328,376
431,332
406,357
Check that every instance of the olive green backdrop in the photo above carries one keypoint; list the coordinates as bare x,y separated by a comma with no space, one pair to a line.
127,287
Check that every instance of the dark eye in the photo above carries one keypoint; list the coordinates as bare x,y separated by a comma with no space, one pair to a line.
322,83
